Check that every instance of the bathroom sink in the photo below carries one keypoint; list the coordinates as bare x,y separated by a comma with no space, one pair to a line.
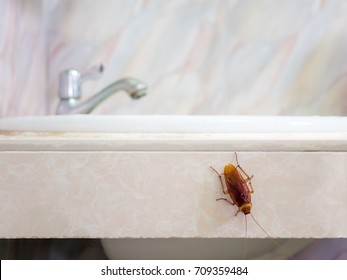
144,183
176,124
175,133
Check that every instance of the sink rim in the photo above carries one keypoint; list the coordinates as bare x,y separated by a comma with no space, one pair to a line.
176,124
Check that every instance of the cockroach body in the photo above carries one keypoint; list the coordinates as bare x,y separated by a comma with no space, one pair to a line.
238,187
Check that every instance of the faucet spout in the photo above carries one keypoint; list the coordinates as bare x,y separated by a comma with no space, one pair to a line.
135,88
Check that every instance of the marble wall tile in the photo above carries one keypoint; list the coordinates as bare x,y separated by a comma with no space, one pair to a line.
285,57
22,58
174,46
207,57
197,56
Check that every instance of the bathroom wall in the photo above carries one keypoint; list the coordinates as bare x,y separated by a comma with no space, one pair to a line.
23,73
176,47
197,56
207,56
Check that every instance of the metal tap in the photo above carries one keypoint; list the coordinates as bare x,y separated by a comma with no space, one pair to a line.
70,82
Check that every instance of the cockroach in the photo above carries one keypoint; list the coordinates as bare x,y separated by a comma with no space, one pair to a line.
239,188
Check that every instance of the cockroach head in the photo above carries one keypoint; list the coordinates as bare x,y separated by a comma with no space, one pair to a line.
246,208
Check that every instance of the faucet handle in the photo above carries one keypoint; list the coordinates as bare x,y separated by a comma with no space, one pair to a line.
70,81
93,73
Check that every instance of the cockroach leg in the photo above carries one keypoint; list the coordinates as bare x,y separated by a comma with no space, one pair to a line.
232,203
237,161
250,185
222,198
221,181
248,178
237,212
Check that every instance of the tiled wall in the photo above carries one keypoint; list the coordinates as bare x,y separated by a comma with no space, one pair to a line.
197,56
23,72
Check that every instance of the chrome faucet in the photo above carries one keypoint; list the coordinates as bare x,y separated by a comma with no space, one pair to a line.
70,82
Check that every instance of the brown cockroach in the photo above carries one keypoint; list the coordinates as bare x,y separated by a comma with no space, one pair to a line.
239,188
